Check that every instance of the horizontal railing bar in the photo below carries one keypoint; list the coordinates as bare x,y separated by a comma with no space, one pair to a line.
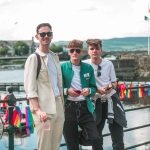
143,126
136,87
107,134
3,101
126,110
17,99
63,144
127,148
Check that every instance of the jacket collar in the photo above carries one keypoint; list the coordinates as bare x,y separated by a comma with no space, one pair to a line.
44,54
70,64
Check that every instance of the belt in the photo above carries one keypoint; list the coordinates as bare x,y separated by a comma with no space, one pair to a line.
76,102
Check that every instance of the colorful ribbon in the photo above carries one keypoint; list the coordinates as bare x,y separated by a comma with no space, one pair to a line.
148,90
29,121
122,89
16,117
140,91
5,104
128,91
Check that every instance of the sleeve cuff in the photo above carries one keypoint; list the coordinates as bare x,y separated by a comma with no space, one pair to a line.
89,91
65,91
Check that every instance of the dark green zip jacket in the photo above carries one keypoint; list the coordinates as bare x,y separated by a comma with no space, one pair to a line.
87,81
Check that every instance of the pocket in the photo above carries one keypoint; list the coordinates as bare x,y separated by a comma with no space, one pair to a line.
67,105
43,76
84,106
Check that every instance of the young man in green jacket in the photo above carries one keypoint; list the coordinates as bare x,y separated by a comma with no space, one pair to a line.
79,85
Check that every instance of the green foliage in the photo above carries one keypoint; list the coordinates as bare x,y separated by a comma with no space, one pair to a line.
2,44
84,49
117,44
56,49
21,48
3,51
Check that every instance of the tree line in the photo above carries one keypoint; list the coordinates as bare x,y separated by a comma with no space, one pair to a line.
21,48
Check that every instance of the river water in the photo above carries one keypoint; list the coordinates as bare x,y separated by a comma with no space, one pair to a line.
134,118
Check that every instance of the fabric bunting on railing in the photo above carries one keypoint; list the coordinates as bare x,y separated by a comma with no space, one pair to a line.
16,117
29,121
5,104
6,117
148,90
122,89
128,91
140,91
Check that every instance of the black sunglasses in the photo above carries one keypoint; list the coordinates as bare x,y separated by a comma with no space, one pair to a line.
43,34
77,51
98,71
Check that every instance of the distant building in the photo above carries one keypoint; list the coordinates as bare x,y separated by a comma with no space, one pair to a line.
32,45
110,57
11,50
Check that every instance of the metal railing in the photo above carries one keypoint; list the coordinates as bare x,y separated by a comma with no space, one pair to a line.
11,129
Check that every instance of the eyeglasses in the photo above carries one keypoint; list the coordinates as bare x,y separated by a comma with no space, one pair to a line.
43,34
78,51
98,71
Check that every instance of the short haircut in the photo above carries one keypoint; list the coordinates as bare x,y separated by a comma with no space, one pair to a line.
75,44
43,25
94,42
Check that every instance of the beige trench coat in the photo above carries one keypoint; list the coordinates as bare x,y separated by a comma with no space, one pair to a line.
41,87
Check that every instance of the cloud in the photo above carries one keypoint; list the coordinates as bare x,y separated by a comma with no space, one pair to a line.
89,9
73,19
5,2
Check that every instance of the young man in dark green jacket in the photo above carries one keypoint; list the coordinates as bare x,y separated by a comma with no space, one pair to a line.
79,85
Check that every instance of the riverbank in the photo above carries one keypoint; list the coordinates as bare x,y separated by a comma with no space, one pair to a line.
135,118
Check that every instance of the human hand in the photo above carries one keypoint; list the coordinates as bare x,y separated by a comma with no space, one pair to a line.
73,92
42,115
105,90
85,92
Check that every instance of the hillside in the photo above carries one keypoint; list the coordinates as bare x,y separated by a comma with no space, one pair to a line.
115,44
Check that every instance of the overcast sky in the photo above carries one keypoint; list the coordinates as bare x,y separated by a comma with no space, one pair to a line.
73,19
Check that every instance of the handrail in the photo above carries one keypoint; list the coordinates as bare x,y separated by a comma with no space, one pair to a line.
11,100
126,110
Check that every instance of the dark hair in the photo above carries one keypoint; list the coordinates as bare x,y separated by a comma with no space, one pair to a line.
94,42
42,25
76,44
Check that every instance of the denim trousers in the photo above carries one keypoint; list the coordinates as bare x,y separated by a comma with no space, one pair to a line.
115,129
78,116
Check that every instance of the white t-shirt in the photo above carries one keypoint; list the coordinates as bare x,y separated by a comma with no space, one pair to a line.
76,84
108,74
53,75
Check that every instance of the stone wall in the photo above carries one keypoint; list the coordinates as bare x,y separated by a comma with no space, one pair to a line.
133,67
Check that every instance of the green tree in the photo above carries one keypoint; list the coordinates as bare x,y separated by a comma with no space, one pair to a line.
21,48
2,44
56,49
3,51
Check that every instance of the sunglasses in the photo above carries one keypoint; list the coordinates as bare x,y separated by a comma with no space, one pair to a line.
98,71
43,34
78,51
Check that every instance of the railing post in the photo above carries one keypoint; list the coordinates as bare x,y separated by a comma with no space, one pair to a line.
10,129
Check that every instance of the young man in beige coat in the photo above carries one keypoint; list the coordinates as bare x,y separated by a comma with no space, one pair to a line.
45,92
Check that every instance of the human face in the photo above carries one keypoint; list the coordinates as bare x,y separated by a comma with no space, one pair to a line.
75,53
94,52
47,38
